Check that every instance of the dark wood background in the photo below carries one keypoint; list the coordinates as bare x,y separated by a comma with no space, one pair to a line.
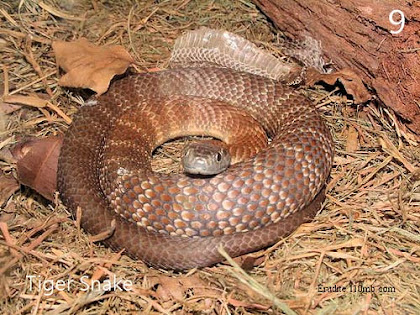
356,34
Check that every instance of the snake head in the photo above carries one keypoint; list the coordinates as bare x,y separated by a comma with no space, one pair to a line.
207,157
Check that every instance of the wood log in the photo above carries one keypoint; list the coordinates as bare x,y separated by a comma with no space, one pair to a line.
357,34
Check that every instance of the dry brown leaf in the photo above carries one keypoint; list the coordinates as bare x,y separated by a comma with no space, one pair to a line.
347,77
8,186
35,100
249,261
171,288
6,108
352,144
37,161
30,100
6,155
90,66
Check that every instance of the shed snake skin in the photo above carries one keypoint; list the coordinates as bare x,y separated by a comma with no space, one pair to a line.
177,221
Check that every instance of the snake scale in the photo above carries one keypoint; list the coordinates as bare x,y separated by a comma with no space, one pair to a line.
178,221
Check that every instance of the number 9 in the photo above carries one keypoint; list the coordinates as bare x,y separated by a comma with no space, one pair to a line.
399,22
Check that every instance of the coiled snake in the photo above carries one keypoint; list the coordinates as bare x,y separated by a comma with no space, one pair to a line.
178,221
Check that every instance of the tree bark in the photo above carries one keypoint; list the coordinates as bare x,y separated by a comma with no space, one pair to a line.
356,34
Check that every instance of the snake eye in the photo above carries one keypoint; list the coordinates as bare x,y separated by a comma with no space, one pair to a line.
218,156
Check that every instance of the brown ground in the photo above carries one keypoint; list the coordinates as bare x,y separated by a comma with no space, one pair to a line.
366,238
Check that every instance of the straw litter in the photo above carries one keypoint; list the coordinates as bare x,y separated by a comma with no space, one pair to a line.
361,255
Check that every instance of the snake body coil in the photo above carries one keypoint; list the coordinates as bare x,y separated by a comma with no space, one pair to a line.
178,222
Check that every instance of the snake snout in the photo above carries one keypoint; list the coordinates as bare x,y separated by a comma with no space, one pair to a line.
208,157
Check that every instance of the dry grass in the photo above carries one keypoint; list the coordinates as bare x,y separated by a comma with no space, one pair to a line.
367,235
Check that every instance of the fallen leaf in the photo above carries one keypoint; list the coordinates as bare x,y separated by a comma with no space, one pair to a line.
249,261
8,186
36,165
352,143
348,78
7,156
34,100
30,100
88,65
176,288
6,108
